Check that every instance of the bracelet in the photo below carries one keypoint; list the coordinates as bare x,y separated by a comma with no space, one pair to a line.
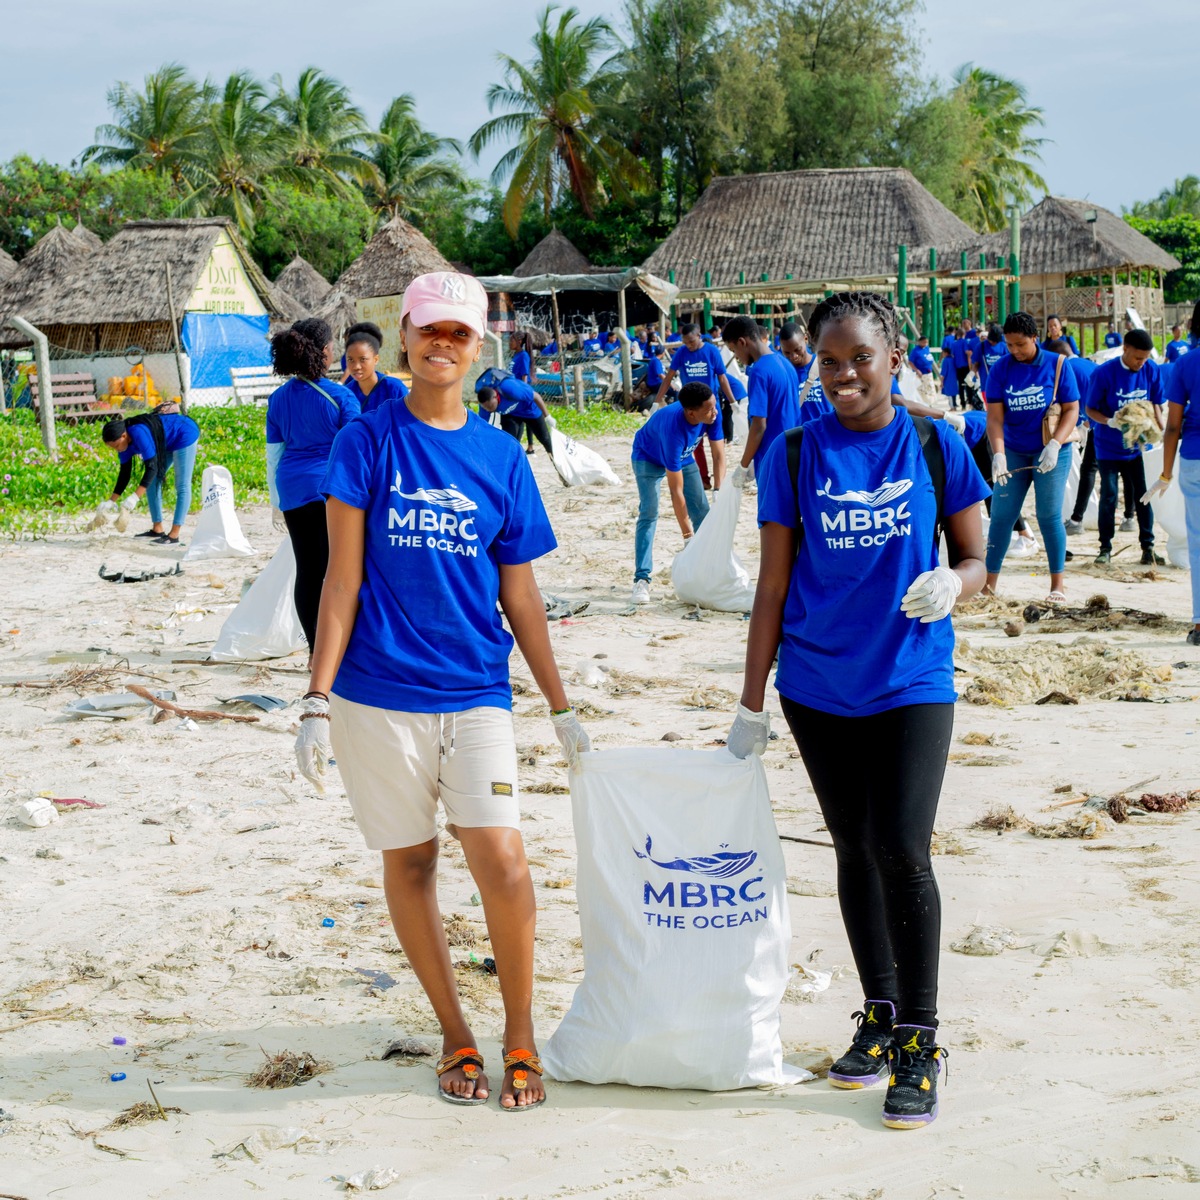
310,695
1165,478
309,716
559,712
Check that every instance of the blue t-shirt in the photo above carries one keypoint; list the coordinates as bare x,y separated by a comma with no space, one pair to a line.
444,510
1176,349
814,402
949,378
958,352
921,359
517,399
1112,386
592,346
976,427
1069,338
1026,390
1183,388
550,348
1112,339
654,370
990,353
772,394
869,511
737,387
387,387
306,418
667,439
699,366
521,366
179,432
1083,369
975,346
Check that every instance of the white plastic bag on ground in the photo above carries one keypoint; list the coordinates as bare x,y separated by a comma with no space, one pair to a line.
1169,511
741,422
264,624
577,465
707,571
218,534
683,908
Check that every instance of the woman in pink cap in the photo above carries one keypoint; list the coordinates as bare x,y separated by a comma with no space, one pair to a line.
434,516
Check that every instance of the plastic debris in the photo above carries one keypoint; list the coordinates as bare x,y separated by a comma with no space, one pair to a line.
258,700
119,1040
374,1180
985,940
407,1048
328,923
117,1076
114,706
37,813
136,576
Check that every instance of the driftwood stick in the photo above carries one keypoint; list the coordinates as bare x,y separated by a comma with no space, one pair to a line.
788,837
197,714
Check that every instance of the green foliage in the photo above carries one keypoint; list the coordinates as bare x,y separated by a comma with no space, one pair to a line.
329,230
597,421
1180,236
1181,198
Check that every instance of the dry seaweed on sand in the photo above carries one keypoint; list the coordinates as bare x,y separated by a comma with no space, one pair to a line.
460,931
1170,802
1086,825
1096,614
287,1069
978,739
1002,818
547,789
141,1113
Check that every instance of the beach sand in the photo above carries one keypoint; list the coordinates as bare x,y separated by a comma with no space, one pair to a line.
186,914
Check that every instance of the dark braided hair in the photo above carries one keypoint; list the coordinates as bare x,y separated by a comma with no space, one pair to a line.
871,306
300,350
1021,323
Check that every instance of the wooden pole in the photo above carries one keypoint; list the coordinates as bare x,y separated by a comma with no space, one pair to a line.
183,391
707,301
626,364
902,273
558,341
983,292
1001,292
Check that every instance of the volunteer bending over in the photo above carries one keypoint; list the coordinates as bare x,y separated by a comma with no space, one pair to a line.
520,408
163,442
851,596
433,517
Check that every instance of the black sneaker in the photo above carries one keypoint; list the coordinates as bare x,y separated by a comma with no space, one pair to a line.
866,1062
1193,637
915,1061
1150,559
1103,558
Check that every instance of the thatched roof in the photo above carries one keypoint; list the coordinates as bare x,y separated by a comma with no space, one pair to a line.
555,254
391,260
8,265
126,283
304,283
339,311
1058,239
810,224
56,258
92,240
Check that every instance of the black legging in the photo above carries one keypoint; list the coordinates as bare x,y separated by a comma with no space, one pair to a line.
310,543
878,780
537,425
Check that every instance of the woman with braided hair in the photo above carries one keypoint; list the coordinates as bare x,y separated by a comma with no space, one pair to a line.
851,596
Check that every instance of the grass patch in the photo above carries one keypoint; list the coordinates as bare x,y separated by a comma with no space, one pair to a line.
598,420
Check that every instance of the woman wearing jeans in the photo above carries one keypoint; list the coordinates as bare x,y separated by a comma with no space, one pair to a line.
1020,388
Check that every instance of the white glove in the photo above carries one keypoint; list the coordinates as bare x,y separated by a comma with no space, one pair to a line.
1048,459
278,523
956,421
551,422
1156,489
1000,472
931,596
742,475
313,750
749,733
130,502
571,736
106,508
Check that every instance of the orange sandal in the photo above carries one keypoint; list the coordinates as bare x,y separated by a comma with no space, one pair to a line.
471,1062
525,1061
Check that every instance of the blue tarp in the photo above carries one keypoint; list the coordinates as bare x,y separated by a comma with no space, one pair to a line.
214,342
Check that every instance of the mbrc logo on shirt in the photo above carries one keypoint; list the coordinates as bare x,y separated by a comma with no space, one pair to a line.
1124,398
744,900
1027,399
444,531
881,520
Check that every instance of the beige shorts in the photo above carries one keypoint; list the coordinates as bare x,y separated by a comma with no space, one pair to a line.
397,765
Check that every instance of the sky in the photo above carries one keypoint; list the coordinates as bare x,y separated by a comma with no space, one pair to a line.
1109,74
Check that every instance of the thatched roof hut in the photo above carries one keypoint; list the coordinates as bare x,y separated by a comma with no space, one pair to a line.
8,265
555,254
87,237
826,224
390,261
304,283
51,264
339,313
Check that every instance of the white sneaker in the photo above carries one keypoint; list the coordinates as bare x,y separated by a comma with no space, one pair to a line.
641,591
1129,525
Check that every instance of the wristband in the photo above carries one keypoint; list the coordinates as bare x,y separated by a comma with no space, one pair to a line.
1165,478
559,712
310,695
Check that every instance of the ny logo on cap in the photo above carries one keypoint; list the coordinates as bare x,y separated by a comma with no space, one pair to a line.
452,286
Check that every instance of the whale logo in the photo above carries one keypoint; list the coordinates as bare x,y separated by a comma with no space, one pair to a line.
721,865
450,498
883,494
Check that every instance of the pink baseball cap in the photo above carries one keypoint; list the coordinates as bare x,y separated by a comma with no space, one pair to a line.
446,296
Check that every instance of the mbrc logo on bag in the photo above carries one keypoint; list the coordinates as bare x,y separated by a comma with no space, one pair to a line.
744,900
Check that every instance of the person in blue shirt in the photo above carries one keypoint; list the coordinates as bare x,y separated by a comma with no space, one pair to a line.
1112,338
665,445
921,357
696,361
303,418
1056,331
1177,347
793,345
164,442
991,350
852,599
960,353
1181,451
593,347
1125,380
363,342
522,367
1021,389
521,410
773,402
950,385
434,519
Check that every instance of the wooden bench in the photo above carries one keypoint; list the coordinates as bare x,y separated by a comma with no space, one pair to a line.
73,397
253,385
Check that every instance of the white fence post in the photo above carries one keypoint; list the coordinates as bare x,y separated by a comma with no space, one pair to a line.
41,357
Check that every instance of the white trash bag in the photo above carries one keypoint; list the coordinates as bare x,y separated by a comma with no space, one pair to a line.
682,896
218,534
707,571
741,422
1169,510
264,624
577,465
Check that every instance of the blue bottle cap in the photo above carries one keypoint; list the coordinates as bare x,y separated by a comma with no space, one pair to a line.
118,1040
328,923
117,1076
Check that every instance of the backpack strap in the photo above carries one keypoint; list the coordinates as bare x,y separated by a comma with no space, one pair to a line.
793,440
935,463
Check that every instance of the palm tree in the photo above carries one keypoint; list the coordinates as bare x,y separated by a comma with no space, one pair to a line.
1000,172
323,133
1181,198
241,149
157,129
551,107
411,163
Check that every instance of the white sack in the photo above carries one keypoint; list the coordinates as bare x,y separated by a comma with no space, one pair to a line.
707,571
741,422
682,896
218,534
1169,510
910,383
577,465
264,624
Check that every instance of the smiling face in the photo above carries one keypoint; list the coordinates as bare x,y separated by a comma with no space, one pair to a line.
706,414
361,361
440,354
856,366
1023,349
